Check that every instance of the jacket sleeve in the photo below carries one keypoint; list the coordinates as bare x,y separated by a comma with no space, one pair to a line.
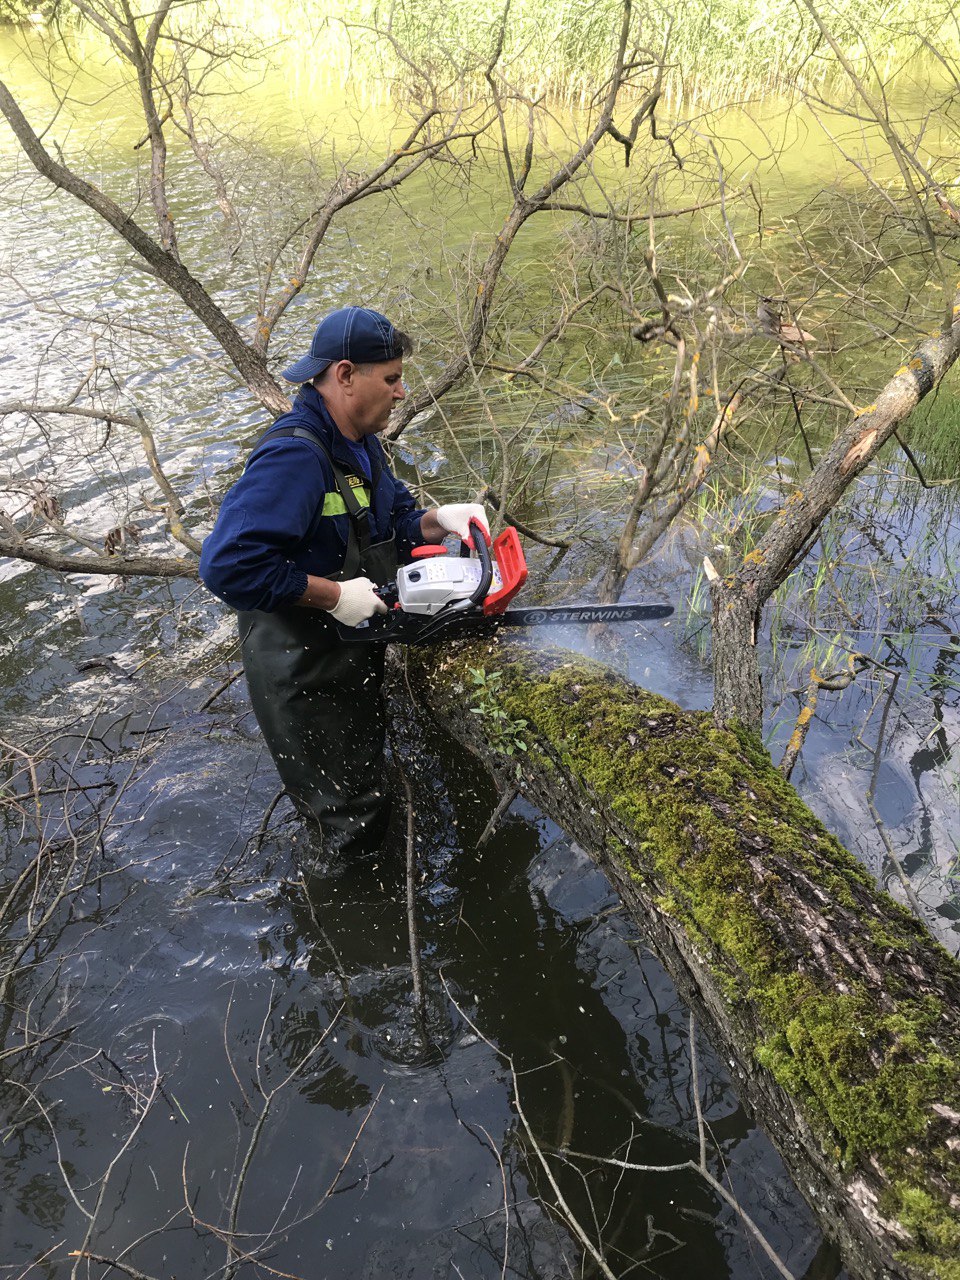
247,559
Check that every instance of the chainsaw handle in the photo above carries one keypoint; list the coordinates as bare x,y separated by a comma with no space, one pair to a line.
486,563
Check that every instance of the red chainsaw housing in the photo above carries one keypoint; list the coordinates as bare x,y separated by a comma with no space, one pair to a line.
513,571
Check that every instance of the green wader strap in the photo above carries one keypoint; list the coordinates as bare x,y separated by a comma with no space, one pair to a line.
347,482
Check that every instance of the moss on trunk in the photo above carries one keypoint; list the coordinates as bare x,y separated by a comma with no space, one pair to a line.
841,1011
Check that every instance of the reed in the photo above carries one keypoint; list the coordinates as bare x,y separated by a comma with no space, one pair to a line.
716,51
934,435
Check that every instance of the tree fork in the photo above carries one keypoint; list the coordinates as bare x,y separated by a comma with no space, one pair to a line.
838,1012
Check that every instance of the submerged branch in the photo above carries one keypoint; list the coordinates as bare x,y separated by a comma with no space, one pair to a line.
117,566
412,929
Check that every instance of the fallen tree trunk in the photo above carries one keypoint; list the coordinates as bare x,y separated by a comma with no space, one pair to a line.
838,1012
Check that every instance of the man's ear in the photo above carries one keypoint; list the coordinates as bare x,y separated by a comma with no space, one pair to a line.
343,372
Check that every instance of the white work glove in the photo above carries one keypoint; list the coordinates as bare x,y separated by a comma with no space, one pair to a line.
357,602
455,517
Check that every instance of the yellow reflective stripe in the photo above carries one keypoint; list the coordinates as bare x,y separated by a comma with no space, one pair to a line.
333,504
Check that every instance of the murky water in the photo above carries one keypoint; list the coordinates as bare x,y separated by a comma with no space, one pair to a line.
234,1080
203,996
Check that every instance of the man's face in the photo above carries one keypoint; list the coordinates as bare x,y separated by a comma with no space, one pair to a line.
376,389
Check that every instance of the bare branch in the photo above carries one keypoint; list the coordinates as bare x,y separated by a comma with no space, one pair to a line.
248,362
115,566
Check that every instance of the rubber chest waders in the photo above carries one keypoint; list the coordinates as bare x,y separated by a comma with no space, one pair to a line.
316,699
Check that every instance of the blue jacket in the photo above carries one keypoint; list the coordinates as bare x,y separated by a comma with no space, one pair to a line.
259,553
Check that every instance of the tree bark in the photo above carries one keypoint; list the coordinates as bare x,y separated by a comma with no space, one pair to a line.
737,691
838,1013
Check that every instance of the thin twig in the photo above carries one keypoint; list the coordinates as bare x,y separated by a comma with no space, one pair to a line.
915,904
567,1212
503,804
413,931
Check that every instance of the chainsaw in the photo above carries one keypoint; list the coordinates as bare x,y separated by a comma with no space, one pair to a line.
440,596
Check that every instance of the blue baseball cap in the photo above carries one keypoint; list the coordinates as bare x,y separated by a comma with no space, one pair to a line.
352,333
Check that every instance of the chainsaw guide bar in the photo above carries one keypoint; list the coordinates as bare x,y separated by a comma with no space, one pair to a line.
441,597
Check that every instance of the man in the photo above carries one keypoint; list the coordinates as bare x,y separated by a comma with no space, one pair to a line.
315,522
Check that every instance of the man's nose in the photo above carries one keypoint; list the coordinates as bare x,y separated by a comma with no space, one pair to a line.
399,391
